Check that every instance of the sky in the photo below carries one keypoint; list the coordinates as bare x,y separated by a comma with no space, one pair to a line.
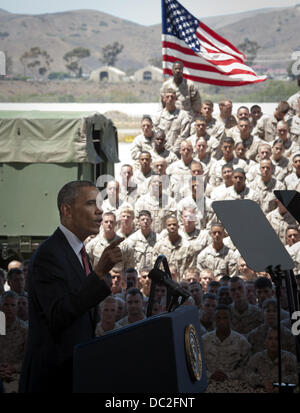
140,11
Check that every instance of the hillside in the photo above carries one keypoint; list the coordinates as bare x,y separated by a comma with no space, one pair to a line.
273,29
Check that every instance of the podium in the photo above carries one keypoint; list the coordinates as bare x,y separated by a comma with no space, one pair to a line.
161,354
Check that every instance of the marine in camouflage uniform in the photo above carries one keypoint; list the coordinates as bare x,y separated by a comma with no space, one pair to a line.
244,316
226,352
144,141
280,219
12,344
174,122
159,204
97,245
217,256
187,95
142,242
177,251
265,185
262,368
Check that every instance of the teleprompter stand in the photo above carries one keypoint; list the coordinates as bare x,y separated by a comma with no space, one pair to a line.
262,250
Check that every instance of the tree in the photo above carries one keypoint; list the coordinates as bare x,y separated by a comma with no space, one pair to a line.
250,49
110,53
37,61
73,58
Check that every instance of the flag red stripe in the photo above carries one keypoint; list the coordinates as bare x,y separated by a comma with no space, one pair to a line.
220,38
175,46
217,82
211,69
193,65
220,50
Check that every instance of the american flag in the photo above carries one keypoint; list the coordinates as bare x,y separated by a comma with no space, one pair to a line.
207,57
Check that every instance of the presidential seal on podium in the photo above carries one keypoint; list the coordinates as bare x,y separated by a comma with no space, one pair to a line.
193,352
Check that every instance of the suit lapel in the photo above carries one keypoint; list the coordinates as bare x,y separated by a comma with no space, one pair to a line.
77,267
71,256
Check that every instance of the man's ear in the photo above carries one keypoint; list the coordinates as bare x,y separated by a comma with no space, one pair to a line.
66,210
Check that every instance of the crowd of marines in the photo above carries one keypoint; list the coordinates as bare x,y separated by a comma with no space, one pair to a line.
185,158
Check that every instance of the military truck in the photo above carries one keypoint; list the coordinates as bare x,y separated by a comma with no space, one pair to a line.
39,152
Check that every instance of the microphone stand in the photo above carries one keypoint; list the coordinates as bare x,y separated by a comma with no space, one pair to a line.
174,298
277,275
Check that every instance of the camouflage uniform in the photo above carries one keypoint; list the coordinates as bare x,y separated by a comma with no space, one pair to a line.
214,129
295,129
267,128
216,169
218,193
187,95
176,126
198,239
261,368
159,209
221,261
229,355
228,124
234,133
179,174
246,321
169,156
280,169
258,335
294,252
12,350
139,145
290,146
142,248
247,193
251,144
280,222
124,322
293,102
97,245
116,209
265,192
207,163
212,143
180,254
283,168
140,178
100,331
291,181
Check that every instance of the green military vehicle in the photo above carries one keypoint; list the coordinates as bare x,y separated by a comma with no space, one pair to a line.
39,152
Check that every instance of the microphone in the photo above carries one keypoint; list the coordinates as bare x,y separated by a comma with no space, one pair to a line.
159,276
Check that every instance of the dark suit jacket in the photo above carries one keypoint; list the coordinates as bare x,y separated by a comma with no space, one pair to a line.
62,313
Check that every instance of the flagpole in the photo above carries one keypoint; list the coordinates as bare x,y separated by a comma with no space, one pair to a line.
163,30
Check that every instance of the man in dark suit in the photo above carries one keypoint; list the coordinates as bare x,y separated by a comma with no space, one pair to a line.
64,291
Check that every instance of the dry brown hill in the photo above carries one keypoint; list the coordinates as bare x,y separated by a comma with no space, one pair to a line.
274,29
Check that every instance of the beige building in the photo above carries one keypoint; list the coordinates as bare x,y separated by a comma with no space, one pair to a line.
148,73
107,74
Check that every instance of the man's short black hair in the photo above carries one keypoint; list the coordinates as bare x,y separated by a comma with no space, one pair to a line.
134,291
262,282
69,192
144,212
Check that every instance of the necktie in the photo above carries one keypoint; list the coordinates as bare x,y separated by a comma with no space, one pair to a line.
85,260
